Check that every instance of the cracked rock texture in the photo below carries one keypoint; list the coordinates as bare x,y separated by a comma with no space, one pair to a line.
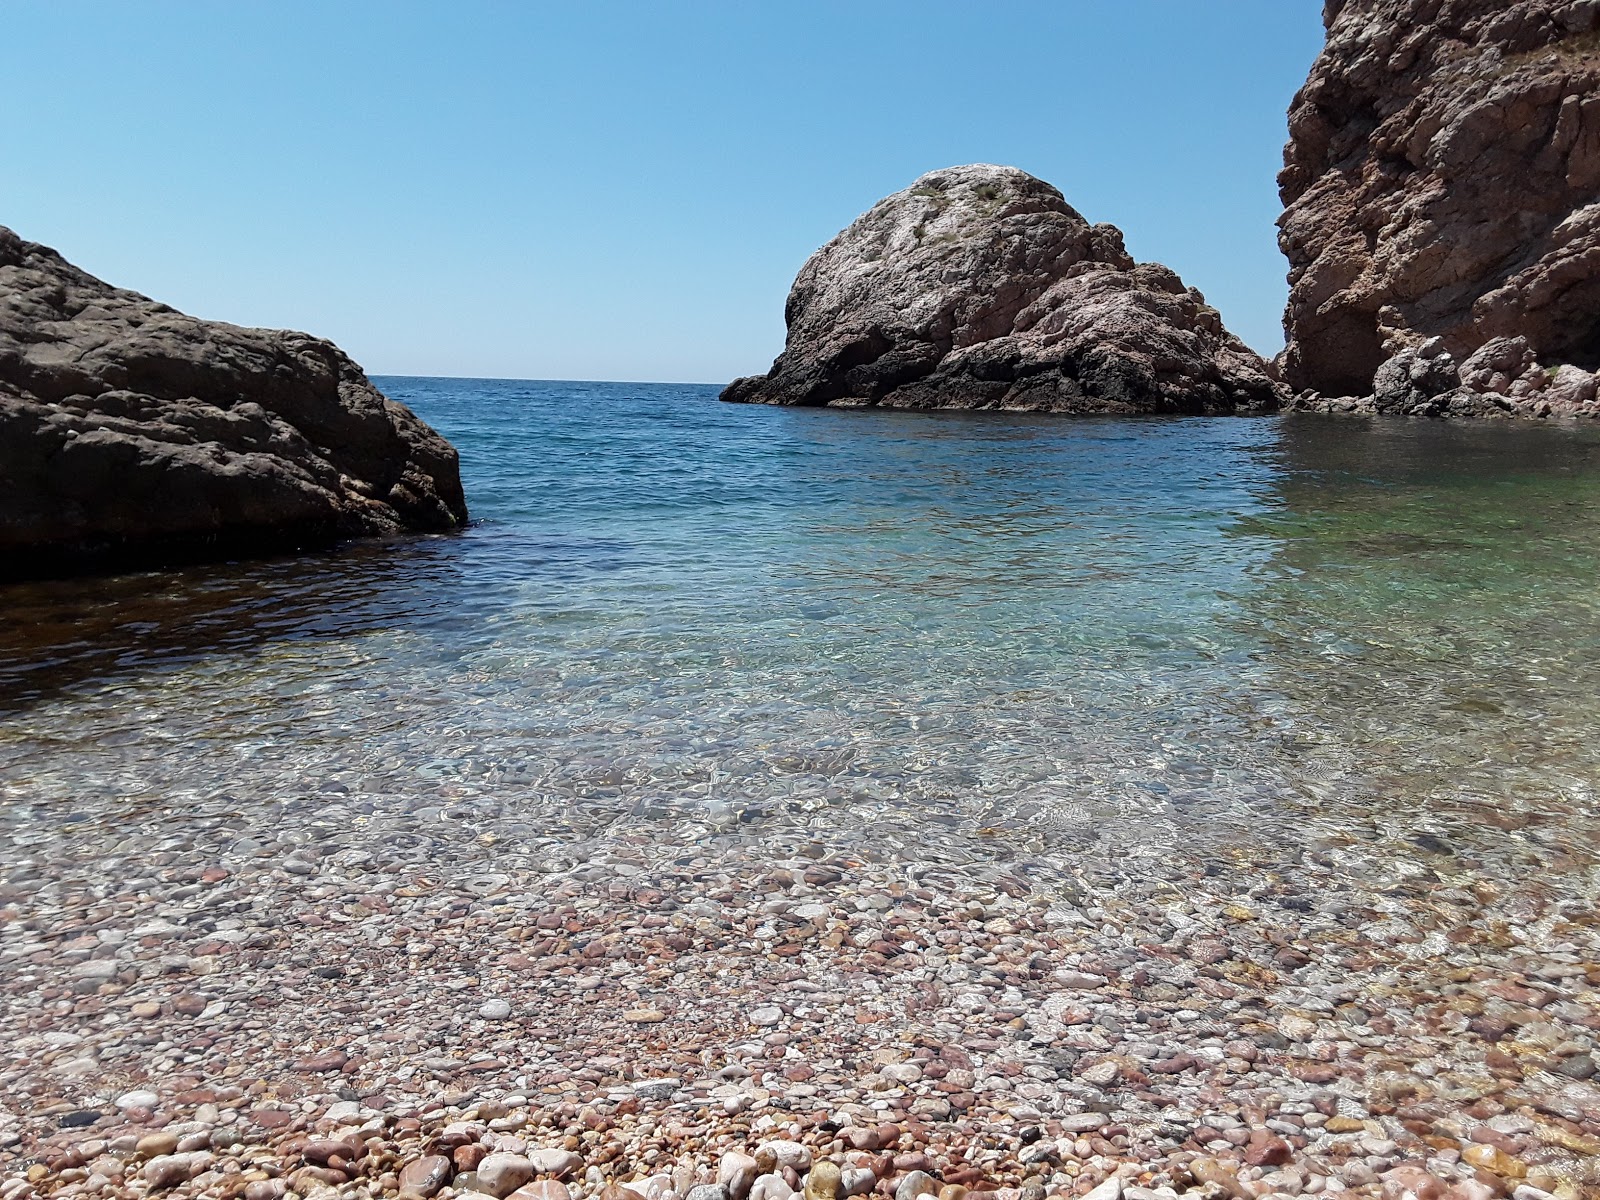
133,435
1441,180
980,287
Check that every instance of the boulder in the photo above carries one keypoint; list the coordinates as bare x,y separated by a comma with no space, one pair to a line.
1441,180
132,435
980,287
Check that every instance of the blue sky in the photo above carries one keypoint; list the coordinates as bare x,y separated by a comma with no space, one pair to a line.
610,189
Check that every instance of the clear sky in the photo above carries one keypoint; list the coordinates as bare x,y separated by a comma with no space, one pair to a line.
609,189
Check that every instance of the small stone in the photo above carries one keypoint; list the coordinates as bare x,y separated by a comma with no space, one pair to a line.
189,1004
737,1172
708,1191
1102,1074
1210,1171
655,1089
424,1177
1111,1189
856,1181
823,1181
502,1174
1414,1182
1491,1158
328,1060
917,1183
771,1187
266,1189
766,1016
1266,1150
1085,1122
561,1164
138,1099
145,1009
495,1010
644,1016
791,1155
1297,1029
323,1150
172,1169
153,1145
862,1138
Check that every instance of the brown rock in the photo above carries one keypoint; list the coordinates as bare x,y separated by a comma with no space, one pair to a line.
1494,1160
1440,180
325,1150
1266,1150
979,287
1219,1175
151,1145
328,1060
425,1176
131,434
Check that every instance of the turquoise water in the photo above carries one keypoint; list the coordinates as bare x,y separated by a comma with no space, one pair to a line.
992,644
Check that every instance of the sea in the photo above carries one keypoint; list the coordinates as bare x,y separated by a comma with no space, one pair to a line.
985,645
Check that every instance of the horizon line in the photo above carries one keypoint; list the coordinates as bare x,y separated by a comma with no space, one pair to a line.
544,379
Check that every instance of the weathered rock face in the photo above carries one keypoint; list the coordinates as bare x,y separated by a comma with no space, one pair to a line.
1501,378
1441,180
131,434
980,287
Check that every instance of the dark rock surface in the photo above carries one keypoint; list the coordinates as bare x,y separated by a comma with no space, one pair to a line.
980,287
133,435
1441,180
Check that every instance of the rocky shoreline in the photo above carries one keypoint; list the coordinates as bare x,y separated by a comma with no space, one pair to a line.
287,1026
135,436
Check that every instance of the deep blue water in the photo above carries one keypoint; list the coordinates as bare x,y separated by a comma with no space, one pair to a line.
987,640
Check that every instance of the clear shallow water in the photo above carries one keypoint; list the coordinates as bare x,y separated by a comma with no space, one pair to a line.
991,643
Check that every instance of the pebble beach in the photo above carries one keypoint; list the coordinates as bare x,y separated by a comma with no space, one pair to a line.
1051,845
828,1025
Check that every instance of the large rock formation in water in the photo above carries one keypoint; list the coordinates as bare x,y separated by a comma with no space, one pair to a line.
1441,181
132,434
980,287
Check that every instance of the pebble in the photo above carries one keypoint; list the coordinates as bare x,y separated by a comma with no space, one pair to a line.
153,1145
501,1174
424,1177
916,1183
495,1010
559,1163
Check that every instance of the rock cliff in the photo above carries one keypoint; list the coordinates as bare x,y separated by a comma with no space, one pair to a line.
1441,181
131,434
980,287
